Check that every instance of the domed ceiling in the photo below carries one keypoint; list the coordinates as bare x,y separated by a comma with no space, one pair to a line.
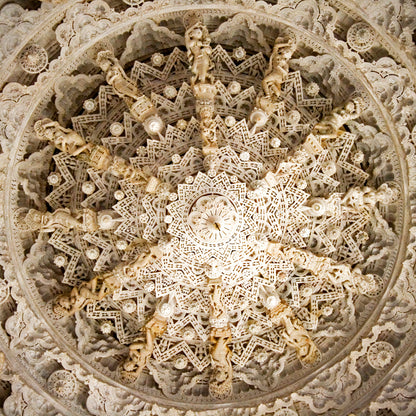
208,208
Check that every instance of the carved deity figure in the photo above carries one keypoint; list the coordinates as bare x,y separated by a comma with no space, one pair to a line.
123,86
119,167
344,275
197,42
278,68
302,258
351,279
218,312
144,259
141,350
330,127
139,353
208,127
94,290
220,383
140,106
66,140
366,197
51,221
293,333
97,156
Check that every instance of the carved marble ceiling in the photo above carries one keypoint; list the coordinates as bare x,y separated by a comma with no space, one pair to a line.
207,207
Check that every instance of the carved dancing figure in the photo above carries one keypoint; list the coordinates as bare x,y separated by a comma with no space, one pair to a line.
97,156
208,127
66,140
366,197
143,260
197,42
278,68
141,350
218,312
351,279
123,86
221,380
51,221
139,353
344,275
199,51
141,107
330,127
94,290
293,333
220,384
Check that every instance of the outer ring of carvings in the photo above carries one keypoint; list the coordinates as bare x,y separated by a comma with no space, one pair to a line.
393,47
20,150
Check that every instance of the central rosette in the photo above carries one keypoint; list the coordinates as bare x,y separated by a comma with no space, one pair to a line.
213,218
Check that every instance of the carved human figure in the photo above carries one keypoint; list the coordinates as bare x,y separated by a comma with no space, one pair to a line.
139,104
123,86
367,197
94,290
197,42
220,383
121,168
208,127
293,333
141,350
218,312
97,156
329,127
338,274
302,258
144,259
351,279
51,221
64,139
278,68
139,353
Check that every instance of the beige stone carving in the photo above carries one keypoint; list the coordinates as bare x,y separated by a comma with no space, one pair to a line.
140,106
330,126
146,258
208,129
366,197
141,350
97,156
197,42
338,274
62,218
278,68
220,383
293,333
66,140
276,73
94,290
